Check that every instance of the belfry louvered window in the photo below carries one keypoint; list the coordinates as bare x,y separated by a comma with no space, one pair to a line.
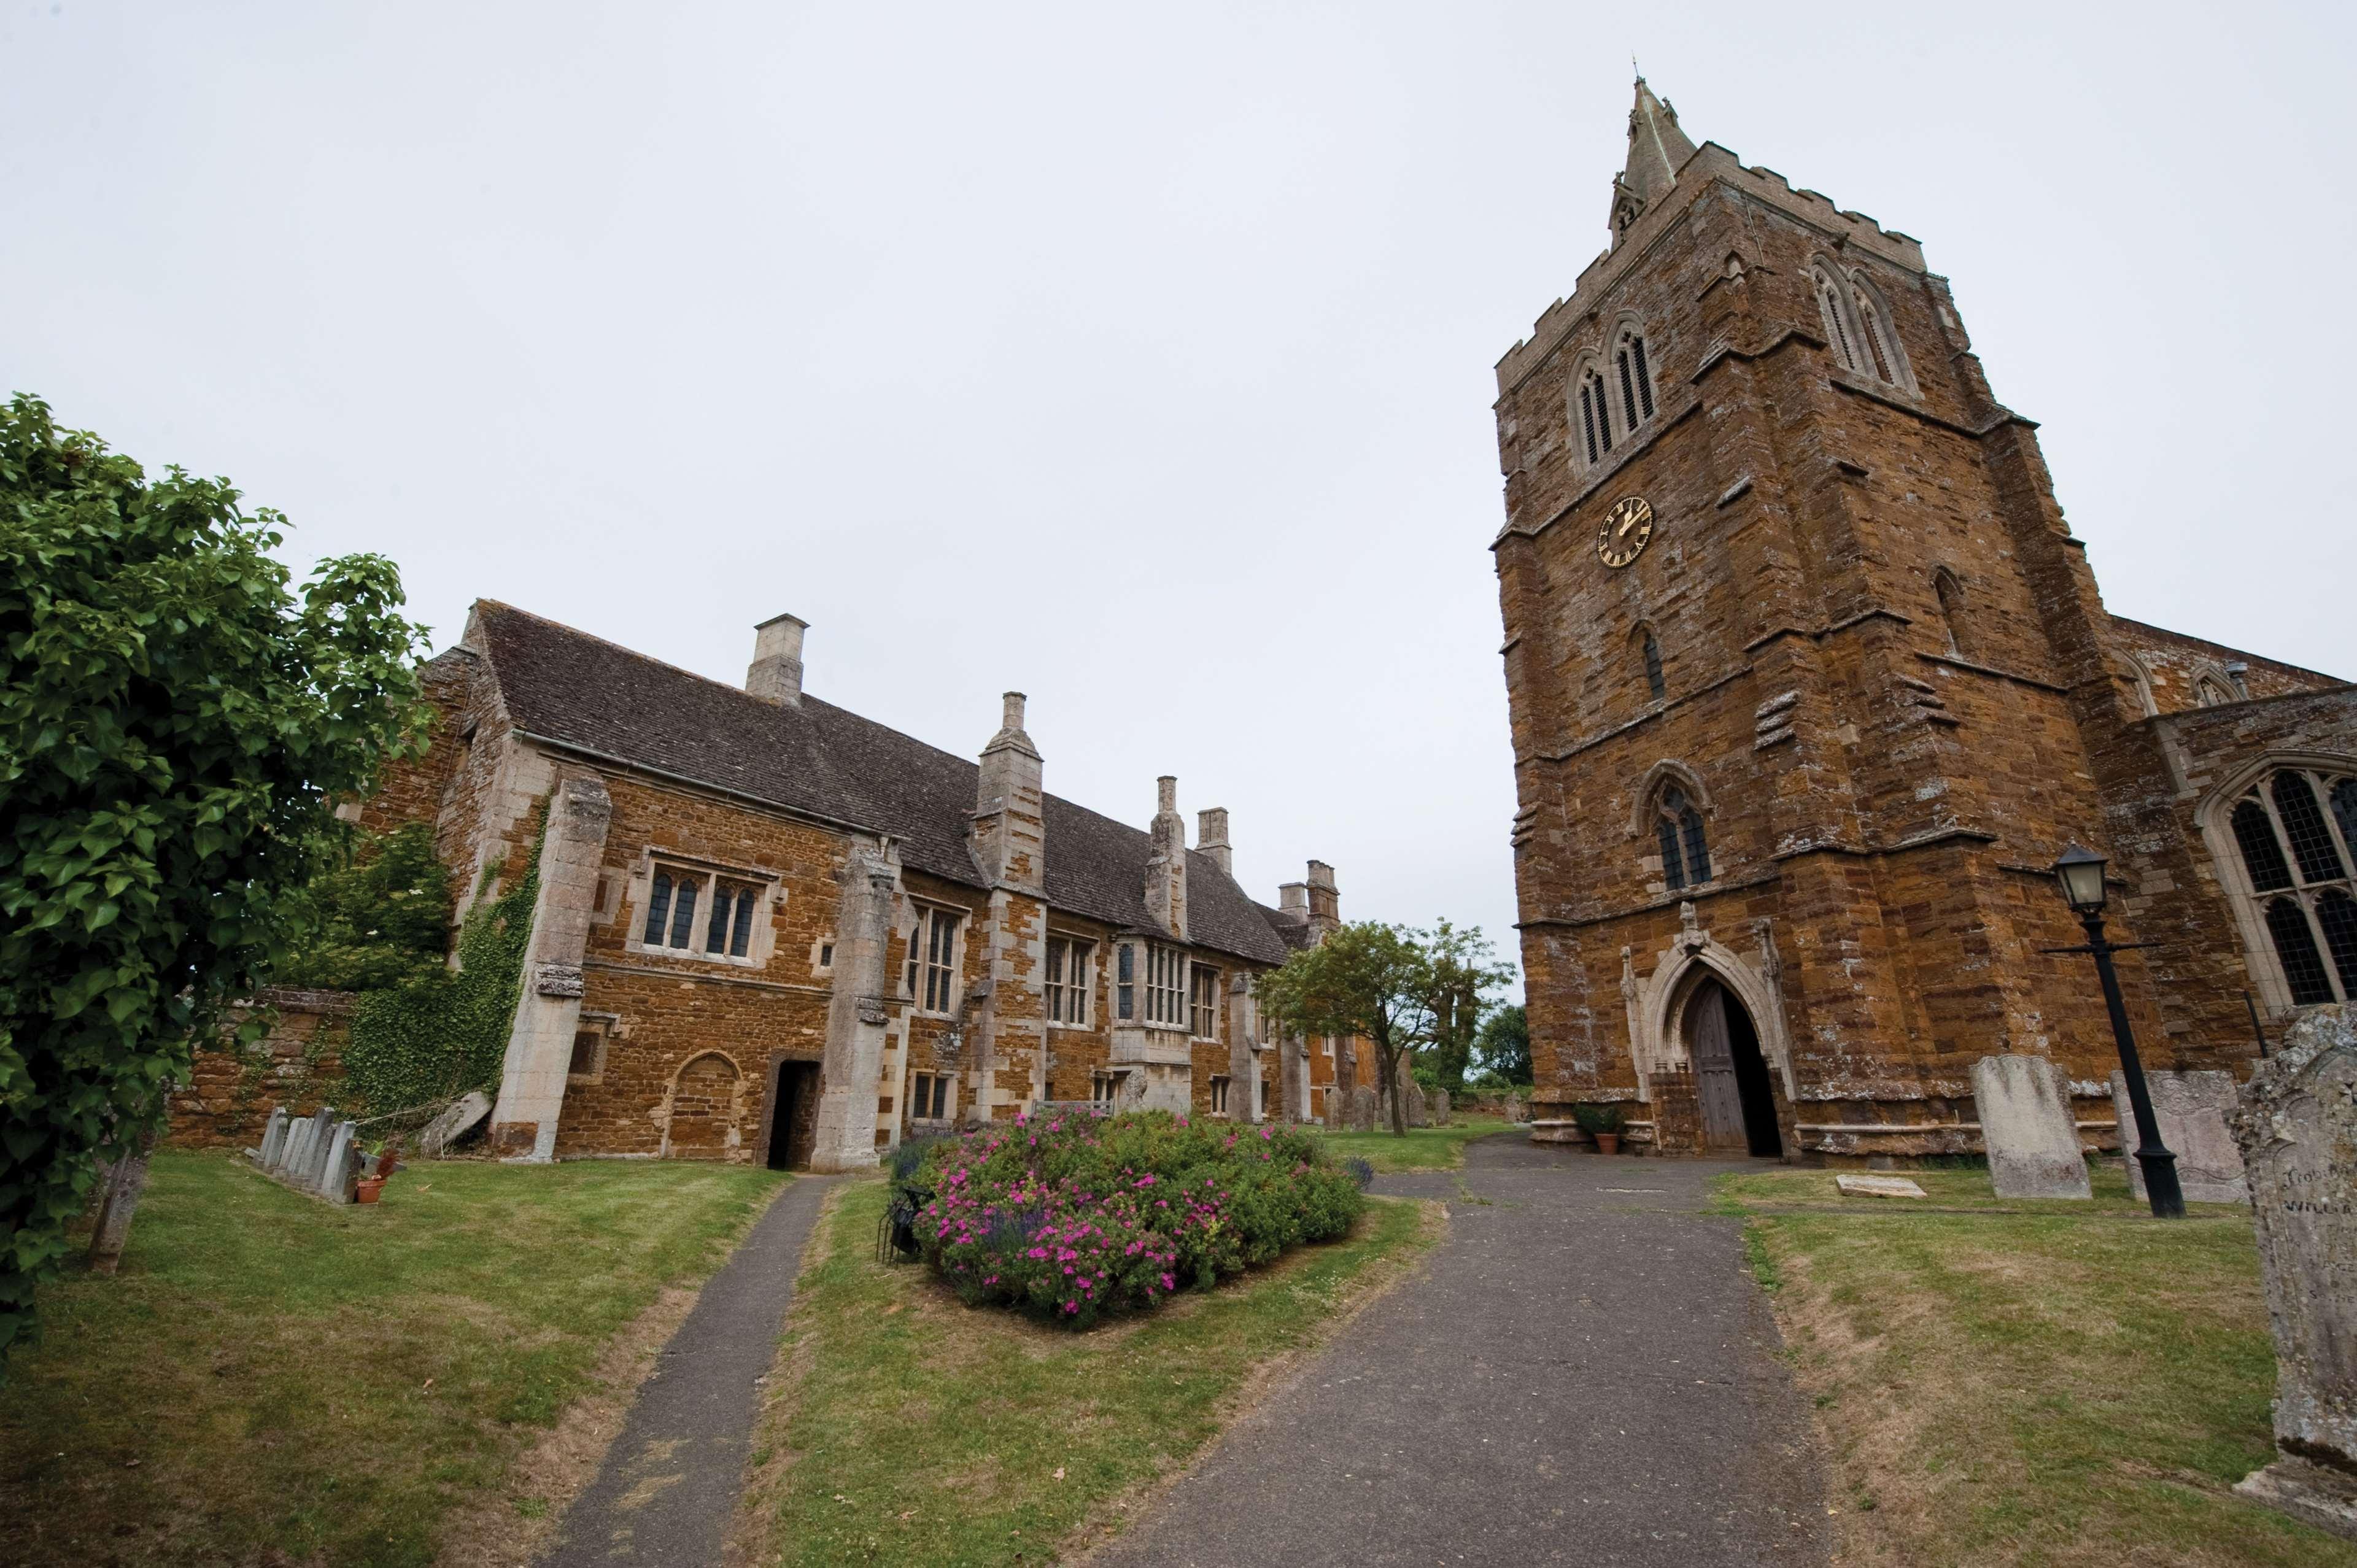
1587,413
1837,319
1636,381
1685,845
2292,835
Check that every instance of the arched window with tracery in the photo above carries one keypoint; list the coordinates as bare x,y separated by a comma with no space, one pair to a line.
1950,591
1685,845
2211,692
1648,655
1836,317
1879,350
2292,831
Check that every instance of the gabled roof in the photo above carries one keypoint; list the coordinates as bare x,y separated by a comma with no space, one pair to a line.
574,690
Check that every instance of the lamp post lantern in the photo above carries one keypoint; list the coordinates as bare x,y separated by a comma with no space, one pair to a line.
2079,873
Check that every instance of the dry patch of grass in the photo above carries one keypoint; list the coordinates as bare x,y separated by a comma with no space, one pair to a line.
2028,1384
1417,1149
904,1426
274,1380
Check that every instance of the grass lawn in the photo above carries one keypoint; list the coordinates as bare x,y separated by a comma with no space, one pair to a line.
908,1428
2033,1382
1419,1149
270,1379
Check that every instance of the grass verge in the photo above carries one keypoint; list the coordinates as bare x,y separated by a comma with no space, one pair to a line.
270,1379
1419,1149
2036,1384
906,1428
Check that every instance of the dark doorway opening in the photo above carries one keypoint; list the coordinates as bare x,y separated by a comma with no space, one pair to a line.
793,1115
1738,1099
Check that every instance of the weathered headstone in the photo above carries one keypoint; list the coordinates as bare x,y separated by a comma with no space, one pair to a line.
452,1126
336,1170
2027,1129
1363,1109
1417,1114
2296,1124
2190,1109
315,1153
1514,1109
1436,1103
290,1152
1878,1186
274,1138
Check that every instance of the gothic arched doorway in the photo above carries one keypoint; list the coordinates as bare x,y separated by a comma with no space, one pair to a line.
1731,1079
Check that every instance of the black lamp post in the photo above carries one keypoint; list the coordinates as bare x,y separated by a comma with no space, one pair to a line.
2081,873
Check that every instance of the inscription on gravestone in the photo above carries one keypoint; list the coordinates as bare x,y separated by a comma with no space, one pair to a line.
2297,1124
2190,1109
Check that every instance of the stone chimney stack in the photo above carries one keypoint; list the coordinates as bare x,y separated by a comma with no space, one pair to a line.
1325,901
1293,898
1212,837
1165,869
1010,826
776,674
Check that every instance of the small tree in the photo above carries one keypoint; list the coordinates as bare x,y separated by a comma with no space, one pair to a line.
1462,977
1390,983
175,726
1503,1046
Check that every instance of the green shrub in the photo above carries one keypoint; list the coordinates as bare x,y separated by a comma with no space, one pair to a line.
1595,1119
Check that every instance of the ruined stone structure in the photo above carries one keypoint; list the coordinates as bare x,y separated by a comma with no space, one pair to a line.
769,930
1811,683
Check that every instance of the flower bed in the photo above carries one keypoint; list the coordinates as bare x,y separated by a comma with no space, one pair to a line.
1073,1216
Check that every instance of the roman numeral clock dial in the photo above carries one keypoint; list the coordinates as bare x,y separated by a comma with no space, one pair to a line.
1628,529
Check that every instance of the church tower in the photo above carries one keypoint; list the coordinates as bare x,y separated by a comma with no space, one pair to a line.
1810,684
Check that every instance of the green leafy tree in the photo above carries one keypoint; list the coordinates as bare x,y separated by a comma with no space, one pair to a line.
1503,1045
175,721
1392,984
381,919
1463,974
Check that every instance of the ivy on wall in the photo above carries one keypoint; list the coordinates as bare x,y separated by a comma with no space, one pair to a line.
438,1034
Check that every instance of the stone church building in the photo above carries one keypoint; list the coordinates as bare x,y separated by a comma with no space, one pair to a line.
771,930
1811,683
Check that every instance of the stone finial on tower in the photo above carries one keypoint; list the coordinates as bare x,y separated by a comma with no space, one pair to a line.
1212,837
776,674
1009,814
1657,150
1165,869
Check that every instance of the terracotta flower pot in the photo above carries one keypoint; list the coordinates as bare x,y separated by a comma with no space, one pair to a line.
370,1188
1608,1143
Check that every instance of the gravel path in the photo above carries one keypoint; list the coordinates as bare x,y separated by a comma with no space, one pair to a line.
1583,1372
665,1492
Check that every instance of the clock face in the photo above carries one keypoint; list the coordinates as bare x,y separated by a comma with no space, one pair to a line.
1628,529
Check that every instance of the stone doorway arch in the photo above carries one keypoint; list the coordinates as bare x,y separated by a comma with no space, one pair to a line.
1656,1002
1734,1094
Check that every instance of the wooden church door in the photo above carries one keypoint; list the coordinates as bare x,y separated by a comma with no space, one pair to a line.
1713,1069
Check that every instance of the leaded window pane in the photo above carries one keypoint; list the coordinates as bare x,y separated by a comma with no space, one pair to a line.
2337,913
1654,679
658,909
683,914
2296,948
2262,858
1672,870
2303,823
741,936
1697,848
2344,810
716,934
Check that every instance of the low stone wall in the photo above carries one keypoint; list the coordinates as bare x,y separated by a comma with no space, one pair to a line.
298,1065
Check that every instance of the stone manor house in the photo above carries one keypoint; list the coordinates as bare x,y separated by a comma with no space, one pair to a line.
771,930
1810,684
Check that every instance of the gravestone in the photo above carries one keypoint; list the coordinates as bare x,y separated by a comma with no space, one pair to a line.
315,1153
1437,1103
274,1138
2296,1124
1514,1111
1878,1186
452,1126
1418,1114
336,1170
1363,1109
2190,1109
2026,1127
290,1152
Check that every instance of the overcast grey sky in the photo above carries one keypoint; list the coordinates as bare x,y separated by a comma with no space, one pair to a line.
1138,358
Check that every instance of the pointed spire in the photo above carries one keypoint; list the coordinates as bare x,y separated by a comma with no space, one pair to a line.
1657,150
